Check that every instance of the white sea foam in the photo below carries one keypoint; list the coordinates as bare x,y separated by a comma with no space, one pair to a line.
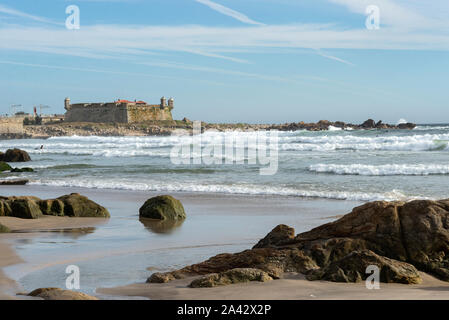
249,189
382,170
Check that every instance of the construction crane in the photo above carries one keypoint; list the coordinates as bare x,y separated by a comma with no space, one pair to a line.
14,108
41,106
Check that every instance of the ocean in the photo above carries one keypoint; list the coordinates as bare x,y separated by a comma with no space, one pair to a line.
345,165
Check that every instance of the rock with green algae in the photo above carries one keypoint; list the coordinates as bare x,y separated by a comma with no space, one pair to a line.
4,166
4,229
73,205
162,208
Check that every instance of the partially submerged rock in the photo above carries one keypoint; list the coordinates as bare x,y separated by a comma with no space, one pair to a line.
15,155
399,238
59,294
4,166
73,205
4,229
238,275
163,208
22,170
14,182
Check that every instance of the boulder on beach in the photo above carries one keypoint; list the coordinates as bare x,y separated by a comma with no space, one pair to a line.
59,294
4,166
4,229
238,275
25,208
162,208
73,205
400,238
15,155
76,205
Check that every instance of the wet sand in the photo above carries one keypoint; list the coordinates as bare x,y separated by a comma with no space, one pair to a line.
29,228
291,287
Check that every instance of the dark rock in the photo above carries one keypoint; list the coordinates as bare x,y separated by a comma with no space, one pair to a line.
76,205
73,205
277,236
4,166
59,294
13,182
163,208
400,238
407,125
22,170
238,275
25,209
15,155
352,268
4,229
368,124
52,207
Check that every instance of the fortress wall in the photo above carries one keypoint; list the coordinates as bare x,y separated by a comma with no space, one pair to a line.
148,113
11,125
96,113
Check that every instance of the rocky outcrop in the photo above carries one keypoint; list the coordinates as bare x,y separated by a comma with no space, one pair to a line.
4,229
4,166
15,155
59,294
276,237
400,238
13,182
352,268
238,275
73,205
163,208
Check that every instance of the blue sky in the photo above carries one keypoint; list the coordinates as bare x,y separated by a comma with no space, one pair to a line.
232,60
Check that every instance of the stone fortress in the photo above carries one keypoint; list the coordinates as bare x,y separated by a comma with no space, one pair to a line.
120,111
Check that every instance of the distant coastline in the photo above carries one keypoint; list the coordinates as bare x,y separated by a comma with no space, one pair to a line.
167,127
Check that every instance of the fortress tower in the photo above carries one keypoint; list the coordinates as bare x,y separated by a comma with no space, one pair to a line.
163,102
171,103
67,103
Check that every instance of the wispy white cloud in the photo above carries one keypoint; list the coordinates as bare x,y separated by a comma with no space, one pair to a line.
21,14
328,56
229,12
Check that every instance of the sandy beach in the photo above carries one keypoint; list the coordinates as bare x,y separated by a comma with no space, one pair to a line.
121,252
291,287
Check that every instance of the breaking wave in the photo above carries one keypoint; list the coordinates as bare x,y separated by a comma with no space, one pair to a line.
382,170
248,189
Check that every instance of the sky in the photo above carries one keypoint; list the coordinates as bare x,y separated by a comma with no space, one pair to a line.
255,61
